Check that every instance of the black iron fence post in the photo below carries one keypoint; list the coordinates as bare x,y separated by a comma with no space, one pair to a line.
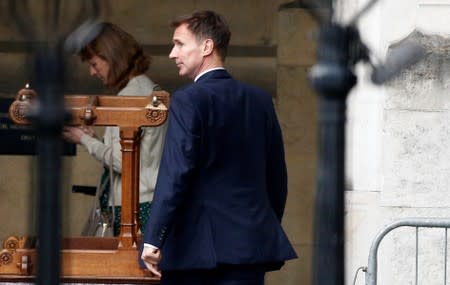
49,120
333,78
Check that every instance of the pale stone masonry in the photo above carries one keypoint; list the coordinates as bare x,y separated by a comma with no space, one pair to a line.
407,121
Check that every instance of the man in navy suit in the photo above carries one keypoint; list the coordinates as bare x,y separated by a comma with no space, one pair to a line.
222,183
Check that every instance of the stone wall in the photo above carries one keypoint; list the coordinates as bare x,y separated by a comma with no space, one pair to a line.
297,110
397,146
416,162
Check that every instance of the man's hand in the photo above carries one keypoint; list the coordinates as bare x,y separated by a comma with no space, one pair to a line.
151,257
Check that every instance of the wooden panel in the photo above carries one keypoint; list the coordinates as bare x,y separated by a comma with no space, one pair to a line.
84,259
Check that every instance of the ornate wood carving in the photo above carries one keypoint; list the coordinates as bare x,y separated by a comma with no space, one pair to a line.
13,243
5,257
22,105
129,113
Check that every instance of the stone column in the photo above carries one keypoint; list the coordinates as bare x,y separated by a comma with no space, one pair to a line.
296,105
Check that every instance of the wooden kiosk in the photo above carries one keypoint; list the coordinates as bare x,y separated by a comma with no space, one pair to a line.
92,259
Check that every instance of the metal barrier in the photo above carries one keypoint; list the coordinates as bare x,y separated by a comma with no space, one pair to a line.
371,270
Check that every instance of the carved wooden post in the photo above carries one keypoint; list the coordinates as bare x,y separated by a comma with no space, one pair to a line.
136,210
129,113
129,140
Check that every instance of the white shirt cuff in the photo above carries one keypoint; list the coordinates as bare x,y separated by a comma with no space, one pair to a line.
150,246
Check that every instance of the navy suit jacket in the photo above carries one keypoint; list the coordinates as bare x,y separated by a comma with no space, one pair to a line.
222,182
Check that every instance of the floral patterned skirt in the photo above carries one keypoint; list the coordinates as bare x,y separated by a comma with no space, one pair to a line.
144,210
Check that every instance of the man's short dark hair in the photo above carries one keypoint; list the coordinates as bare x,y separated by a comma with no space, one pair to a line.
208,25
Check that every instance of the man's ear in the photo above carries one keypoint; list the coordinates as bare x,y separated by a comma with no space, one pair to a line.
208,47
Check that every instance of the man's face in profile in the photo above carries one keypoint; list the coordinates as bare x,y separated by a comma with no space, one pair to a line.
188,52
